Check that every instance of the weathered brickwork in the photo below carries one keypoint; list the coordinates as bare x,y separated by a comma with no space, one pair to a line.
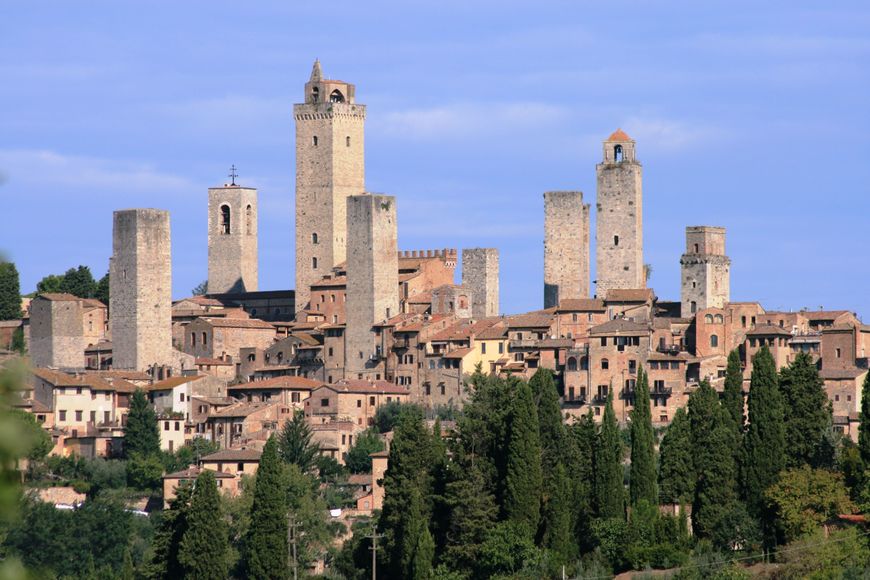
619,225
57,332
140,304
566,247
480,276
329,168
232,239
706,270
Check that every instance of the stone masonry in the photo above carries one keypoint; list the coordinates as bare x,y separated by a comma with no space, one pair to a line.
140,289
480,275
232,239
566,247
372,278
619,225
329,168
57,332
706,277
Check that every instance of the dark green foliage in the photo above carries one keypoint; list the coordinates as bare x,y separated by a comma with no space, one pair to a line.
581,471
50,284
10,291
472,515
204,549
557,515
806,412
551,426
144,472
38,440
358,459
141,436
506,550
522,502
387,416
169,531
18,344
188,454
102,290
438,472
79,282
200,289
266,541
642,483
864,425
676,462
309,511
609,488
732,395
294,443
765,443
735,530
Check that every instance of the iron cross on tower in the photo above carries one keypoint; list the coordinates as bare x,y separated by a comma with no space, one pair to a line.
232,175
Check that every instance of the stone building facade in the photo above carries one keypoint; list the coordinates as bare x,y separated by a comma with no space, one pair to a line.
232,239
329,168
566,247
706,270
619,225
57,337
480,276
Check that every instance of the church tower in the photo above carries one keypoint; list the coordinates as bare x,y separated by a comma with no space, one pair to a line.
619,226
329,169
232,239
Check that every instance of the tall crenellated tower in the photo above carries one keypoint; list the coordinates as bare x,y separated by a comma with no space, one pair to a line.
232,239
329,168
706,270
619,226
566,247
480,274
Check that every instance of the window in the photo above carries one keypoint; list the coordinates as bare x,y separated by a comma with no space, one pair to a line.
632,366
603,341
718,319
330,351
314,140
78,416
838,352
693,306
177,425
314,263
181,397
617,153
314,238
501,348
204,339
315,94
708,319
336,97
192,339
572,365
371,400
714,341
615,240
697,249
605,364
482,348
63,415
166,425
225,219
324,402
347,141
743,321
249,220
93,416
441,386
359,403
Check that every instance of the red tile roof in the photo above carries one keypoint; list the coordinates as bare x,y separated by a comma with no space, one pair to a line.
619,135
629,295
238,323
581,305
367,387
234,455
620,326
58,297
283,382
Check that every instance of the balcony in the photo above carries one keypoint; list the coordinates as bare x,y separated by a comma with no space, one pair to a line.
523,343
599,399
661,392
575,402
671,349
401,343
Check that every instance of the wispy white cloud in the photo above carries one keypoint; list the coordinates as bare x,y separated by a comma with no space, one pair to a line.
227,114
671,135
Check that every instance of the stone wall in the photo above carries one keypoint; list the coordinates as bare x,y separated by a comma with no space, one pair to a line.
480,276
706,279
566,247
232,248
57,333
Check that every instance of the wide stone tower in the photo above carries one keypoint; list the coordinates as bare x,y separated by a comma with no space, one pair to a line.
329,168
480,274
140,289
706,270
619,225
372,278
232,239
566,247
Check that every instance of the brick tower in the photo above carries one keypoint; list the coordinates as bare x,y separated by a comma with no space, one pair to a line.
566,247
329,168
480,274
232,239
140,289
619,226
372,278
706,270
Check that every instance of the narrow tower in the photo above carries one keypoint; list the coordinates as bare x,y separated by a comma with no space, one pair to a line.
140,289
619,225
57,337
706,270
232,239
372,278
566,247
480,274
329,168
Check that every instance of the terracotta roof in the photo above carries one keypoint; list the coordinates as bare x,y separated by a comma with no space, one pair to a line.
383,453
660,356
306,338
200,300
458,353
619,135
172,382
192,473
823,314
841,373
238,323
360,479
367,387
494,332
97,383
539,319
119,374
242,409
283,382
93,303
420,298
581,305
233,455
464,329
839,328
619,326
555,343
102,345
629,295
58,297
333,281
767,330
202,360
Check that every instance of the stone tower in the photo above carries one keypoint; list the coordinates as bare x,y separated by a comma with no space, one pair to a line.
619,226
232,239
372,278
706,270
329,168
480,275
140,289
57,337
566,247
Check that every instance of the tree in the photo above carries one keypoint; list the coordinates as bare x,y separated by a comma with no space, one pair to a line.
642,482
472,515
557,518
609,488
10,291
18,344
524,478
765,441
804,498
358,458
205,545
38,440
864,425
200,289
551,426
50,284
144,471
79,282
676,462
141,436
806,413
581,471
732,395
294,443
387,416
266,540
102,290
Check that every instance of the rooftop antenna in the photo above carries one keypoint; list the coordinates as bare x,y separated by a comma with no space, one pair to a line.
232,175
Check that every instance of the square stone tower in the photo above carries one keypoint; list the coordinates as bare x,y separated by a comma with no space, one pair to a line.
372,278
619,225
566,247
232,239
480,275
329,168
57,337
706,270
140,289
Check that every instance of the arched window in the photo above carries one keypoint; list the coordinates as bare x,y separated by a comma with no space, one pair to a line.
192,339
249,220
714,341
314,238
204,338
225,219
314,263
694,306
572,364
718,319
708,319
617,153
336,97
697,248
314,140
605,364
315,94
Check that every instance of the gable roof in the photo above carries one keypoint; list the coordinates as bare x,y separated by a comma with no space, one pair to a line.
282,382
238,323
367,387
581,305
619,135
629,295
619,326
767,330
243,454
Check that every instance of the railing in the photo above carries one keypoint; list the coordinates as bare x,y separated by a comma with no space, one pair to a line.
671,349
599,399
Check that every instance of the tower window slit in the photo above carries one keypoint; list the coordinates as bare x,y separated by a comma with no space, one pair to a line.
225,219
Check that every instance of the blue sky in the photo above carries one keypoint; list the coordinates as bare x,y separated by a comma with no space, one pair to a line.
749,115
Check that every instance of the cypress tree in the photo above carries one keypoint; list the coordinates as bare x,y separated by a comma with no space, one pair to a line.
581,471
524,478
864,424
806,412
167,537
205,546
557,517
439,476
609,488
141,435
10,291
676,462
732,395
551,426
642,481
294,443
472,516
265,549
765,441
